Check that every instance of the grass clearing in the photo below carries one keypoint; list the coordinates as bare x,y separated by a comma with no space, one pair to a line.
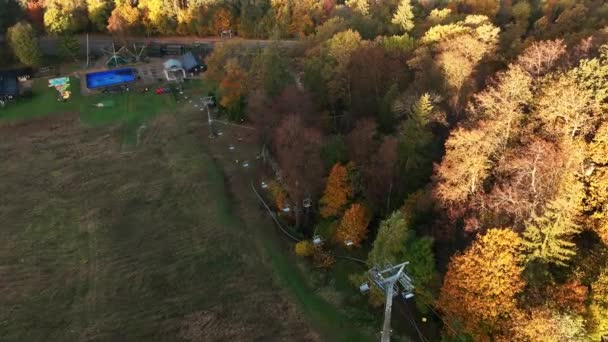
101,245
131,109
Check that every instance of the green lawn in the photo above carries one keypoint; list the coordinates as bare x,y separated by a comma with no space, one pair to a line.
131,109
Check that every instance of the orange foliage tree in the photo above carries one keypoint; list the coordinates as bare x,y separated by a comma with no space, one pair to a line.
232,88
353,226
543,324
569,297
337,192
480,285
222,20
278,194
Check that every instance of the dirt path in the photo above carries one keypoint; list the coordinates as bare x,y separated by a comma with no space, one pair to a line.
97,42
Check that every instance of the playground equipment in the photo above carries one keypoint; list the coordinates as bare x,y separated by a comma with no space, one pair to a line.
161,91
116,58
226,34
62,85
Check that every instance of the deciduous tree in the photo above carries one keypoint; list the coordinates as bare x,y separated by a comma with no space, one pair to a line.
272,70
298,153
598,309
339,50
124,18
159,15
542,324
565,108
481,284
504,103
65,16
99,12
542,57
338,192
456,50
526,178
24,43
304,248
361,142
222,20
465,166
381,174
596,199
372,74
353,226
232,89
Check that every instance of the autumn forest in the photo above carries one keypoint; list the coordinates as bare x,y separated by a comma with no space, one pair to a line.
469,137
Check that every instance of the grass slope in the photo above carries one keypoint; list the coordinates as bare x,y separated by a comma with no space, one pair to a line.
101,245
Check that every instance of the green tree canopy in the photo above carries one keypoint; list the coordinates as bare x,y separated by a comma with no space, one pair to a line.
397,242
24,43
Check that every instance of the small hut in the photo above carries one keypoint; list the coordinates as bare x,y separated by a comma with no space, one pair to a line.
190,63
174,70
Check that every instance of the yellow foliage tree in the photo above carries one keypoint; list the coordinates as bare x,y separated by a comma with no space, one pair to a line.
232,87
546,325
278,194
598,309
596,200
353,226
337,192
305,248
480,285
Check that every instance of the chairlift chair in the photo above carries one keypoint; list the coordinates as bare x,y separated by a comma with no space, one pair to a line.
317,240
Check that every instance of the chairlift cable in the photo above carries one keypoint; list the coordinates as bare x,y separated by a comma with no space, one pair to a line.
353,259
441,318
273,216
413,322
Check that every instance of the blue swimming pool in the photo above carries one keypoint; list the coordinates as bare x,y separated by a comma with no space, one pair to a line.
110,78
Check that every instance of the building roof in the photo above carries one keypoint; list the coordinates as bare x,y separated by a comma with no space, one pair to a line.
189,61
172,64
9,86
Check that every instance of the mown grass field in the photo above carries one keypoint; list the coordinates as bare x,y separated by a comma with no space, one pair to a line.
154,242
101,245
